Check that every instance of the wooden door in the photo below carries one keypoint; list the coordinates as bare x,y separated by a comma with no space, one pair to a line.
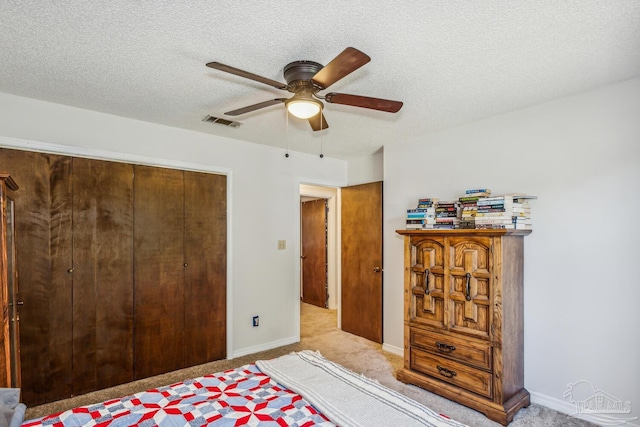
361,303
43,250
313,218
102,274
158,271
205,287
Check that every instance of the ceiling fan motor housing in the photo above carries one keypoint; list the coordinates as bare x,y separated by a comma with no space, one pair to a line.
301,71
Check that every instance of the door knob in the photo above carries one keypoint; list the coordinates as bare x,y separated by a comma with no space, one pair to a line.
377,269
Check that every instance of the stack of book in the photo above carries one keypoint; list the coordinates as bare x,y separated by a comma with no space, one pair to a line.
447,215
508,211
521,211
423,216
469,206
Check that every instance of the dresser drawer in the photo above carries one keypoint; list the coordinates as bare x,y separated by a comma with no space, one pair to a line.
471,352
474,380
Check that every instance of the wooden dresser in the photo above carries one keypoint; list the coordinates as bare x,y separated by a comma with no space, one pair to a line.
463,299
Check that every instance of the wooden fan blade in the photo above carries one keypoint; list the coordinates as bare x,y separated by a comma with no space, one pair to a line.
318,122
254,107
246,74
364,102
347,62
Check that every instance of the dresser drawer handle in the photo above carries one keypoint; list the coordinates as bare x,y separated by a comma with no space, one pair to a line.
426,281
445,348
468,287
446,372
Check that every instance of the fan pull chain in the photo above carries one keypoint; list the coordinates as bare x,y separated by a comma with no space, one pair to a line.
321,137
286,154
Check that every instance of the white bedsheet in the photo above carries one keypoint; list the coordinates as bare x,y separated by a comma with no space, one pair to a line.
348,399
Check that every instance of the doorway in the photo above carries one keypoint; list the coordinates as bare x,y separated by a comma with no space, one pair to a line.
355,292
328,196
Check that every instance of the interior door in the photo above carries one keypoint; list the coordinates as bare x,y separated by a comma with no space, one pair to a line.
313,256
361,289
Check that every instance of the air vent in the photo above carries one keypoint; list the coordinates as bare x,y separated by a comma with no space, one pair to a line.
221,121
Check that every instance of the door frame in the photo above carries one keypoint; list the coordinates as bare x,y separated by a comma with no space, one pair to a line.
331,192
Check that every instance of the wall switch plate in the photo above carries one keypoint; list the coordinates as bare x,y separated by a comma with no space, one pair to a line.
256,321
282,245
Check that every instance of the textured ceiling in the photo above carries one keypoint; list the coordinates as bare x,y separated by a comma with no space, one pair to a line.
450,62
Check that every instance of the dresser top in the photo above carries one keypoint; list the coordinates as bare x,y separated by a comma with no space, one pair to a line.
465,231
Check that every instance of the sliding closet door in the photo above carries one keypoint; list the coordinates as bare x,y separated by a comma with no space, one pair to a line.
158,271
122,270
43,259
102,274
205,248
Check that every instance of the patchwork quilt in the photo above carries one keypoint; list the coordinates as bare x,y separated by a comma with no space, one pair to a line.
238,397
299,389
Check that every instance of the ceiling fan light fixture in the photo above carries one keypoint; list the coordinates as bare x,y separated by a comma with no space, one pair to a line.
303,108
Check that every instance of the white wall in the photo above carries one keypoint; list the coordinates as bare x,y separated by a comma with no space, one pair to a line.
581,157
263,199
366,169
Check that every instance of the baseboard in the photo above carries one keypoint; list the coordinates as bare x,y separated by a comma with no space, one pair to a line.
264,347
393,349
570,409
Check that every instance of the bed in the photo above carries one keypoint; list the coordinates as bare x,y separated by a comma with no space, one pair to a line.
299,389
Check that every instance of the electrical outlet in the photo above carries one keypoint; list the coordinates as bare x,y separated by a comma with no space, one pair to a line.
256,321
282,245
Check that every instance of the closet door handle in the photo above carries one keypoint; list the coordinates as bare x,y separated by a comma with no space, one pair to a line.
468,287
426,281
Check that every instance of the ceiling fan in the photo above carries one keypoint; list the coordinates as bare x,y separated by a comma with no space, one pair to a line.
305,79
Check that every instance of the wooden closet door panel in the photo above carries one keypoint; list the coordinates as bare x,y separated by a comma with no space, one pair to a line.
206,272
102,274
43,258
158,271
